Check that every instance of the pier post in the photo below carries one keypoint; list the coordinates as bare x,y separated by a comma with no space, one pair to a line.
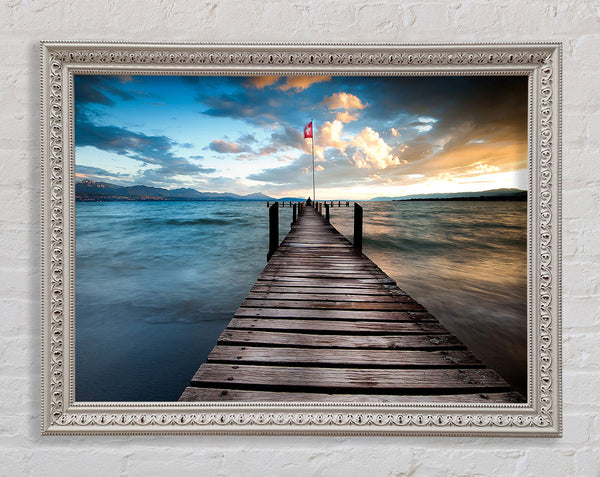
294,215
358,227
273,229
327,212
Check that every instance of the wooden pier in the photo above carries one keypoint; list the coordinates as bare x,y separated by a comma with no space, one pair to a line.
324,323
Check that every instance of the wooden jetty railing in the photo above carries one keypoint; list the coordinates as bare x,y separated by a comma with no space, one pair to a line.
324,323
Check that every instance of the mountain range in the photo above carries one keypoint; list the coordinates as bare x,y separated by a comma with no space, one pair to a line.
103,191
503,194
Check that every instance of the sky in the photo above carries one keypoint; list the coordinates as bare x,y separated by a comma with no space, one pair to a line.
374,136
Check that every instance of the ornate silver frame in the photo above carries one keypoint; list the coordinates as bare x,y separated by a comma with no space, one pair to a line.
539,416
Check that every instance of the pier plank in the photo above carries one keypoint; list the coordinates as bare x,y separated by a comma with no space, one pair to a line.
193,394
343,357
335,314
336,305
328,326
363,380
319,340
318,297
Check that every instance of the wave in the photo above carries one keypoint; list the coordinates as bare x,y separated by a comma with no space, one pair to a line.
199,221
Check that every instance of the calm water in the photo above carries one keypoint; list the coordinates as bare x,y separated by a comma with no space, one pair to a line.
157,282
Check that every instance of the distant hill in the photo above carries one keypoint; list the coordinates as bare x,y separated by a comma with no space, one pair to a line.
103,191
493,194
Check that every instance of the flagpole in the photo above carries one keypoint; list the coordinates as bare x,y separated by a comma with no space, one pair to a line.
312,139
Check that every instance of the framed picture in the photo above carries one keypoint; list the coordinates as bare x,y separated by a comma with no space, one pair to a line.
301,239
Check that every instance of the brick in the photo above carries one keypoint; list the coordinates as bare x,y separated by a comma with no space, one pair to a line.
375,15
581,312
587,461
580,390
579,349
548,461
182,461
91,462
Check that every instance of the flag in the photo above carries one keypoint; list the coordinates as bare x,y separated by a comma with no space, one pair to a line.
308,130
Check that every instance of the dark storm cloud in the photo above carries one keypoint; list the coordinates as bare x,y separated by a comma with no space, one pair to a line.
244,106
153,150
95,171
236,98
99,89
491,105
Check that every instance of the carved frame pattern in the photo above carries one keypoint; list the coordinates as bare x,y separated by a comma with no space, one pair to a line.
61,414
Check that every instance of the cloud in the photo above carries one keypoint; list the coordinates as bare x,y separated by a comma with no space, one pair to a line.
247,139
226,147
149,150
288,137
245,157
261,82
373,152
95,171
296,83
343,101
337,172
267,150
300,83
345,117
330,135
101,89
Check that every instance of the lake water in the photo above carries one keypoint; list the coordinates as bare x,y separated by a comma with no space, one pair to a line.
157,282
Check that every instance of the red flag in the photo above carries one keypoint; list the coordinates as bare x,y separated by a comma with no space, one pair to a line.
308,130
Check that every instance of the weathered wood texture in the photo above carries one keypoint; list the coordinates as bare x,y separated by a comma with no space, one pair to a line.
324,323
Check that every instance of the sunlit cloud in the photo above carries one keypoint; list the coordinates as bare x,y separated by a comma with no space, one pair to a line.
260,82
330,135
379,179
245,157
345,117
300,83
343,101
373,151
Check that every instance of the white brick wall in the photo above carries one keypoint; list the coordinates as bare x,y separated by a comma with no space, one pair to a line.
25,22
